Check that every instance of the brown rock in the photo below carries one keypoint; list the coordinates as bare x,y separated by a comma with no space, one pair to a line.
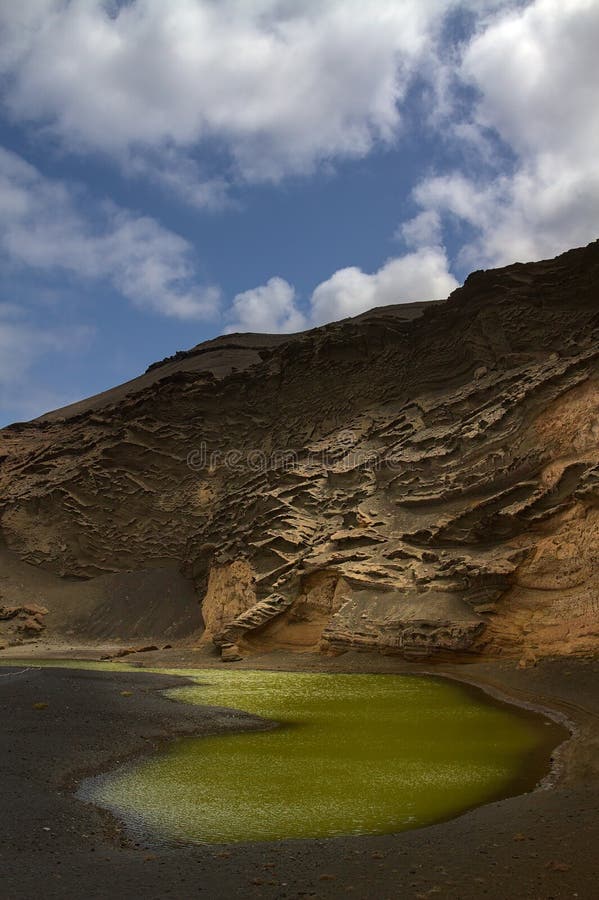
350,487
230,653
30,625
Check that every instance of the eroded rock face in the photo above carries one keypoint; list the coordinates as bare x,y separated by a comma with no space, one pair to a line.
230,593
421,479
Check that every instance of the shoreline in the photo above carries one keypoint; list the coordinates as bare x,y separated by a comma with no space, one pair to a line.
361,663
548,689
520,782
494,693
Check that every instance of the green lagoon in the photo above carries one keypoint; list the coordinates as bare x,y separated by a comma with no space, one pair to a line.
352,754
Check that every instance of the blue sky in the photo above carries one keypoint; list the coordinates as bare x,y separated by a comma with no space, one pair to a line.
172,171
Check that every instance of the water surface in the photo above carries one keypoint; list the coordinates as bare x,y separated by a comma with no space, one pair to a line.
353,754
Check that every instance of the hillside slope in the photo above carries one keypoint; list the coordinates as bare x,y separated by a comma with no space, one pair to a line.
421,479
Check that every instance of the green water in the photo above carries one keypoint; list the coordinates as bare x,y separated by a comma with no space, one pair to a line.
353,754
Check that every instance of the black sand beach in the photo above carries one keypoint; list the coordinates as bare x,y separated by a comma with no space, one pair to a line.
539,845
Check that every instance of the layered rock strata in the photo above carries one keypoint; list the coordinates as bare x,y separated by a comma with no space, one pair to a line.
421,479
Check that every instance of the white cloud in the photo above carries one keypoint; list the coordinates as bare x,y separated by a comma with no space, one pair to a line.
269,308
536,72
180,177
546,94
424,230
544,208
274,308
43,226
422,275
282,85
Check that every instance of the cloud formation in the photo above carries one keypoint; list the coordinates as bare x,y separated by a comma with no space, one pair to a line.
527,185
44,227
422,275
283,86
273,307
268,308
535,72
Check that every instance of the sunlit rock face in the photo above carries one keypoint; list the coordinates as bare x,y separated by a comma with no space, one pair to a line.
421,479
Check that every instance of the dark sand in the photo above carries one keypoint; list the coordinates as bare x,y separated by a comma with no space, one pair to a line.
538,845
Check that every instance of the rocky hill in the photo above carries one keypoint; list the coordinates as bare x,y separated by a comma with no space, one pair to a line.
421,479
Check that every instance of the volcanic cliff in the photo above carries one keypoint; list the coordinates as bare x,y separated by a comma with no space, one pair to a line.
421,479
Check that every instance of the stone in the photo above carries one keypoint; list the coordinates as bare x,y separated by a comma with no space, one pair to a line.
30,625
26,621
230,653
